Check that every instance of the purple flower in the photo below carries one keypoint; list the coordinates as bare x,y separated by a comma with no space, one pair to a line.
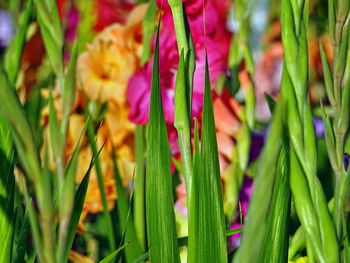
6,28
346,161
319,128
234,240
257,144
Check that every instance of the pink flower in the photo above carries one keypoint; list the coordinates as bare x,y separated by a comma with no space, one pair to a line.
72,23
139,87
111,11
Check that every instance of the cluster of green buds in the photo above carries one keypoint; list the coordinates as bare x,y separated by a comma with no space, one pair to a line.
337,85
310,202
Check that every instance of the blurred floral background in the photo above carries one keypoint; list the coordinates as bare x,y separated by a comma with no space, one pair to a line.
114,70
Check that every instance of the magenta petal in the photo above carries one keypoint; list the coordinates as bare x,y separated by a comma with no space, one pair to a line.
138,94
139,86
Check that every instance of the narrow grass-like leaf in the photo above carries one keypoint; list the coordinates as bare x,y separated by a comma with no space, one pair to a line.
275,248
331,19
211,227
327,76
255,225
112,256
34,225
270,101
99,174
22,244
143,258
160,217
7,192
68,91
66,201
78,207
22,134
193,205
51,32
148,30
139,193
14,51
133,250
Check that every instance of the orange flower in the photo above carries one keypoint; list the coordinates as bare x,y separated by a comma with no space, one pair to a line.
227,124
111,59
76,257
103,73
124,152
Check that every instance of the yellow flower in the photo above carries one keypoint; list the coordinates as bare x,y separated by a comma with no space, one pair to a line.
111,59
118,124
93,202
300,260
103,72
125,158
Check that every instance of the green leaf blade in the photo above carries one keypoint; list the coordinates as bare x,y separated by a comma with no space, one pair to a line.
160,216
7,192
276,241
255,225
211,230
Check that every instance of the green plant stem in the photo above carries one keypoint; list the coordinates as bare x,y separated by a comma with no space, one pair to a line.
297,242
179,24
139,194
182,124
183,106
340,41
35,230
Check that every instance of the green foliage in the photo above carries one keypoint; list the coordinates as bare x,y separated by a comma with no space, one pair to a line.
7,192
111,256
208,223
79,199
52,34
160,218
148,30
276,241
139,193
14,51
256,222
287,195
22,246
133,249
99,173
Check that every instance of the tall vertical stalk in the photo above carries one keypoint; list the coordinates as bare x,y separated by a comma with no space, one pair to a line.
311,204
337,87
